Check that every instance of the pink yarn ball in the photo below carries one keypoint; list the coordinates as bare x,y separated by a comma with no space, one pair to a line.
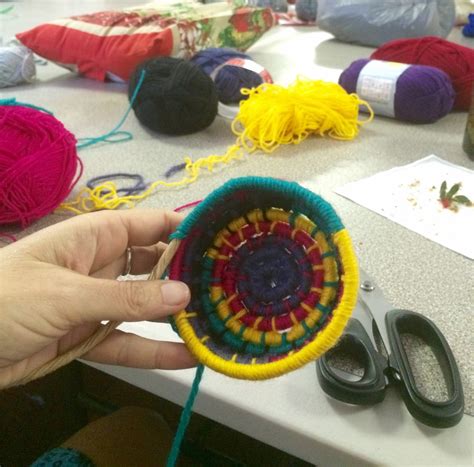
38,164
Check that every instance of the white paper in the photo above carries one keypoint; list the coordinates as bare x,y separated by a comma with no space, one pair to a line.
409,196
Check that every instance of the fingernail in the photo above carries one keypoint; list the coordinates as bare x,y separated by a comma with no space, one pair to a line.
174,293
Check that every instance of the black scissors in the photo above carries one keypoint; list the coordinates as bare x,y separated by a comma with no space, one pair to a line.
373,317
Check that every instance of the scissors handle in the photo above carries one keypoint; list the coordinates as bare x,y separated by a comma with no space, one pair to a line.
368,390
441,414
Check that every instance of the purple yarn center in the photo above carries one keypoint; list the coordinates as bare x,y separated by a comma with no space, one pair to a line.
274,274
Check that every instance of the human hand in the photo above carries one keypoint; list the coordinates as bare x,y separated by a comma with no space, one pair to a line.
58,284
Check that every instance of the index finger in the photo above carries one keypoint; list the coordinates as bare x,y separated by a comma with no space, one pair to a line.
89,242
116,230
147,227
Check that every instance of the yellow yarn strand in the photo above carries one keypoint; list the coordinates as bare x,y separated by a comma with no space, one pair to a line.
105,196
272,116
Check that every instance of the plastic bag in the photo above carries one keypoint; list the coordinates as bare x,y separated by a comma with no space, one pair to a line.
373,22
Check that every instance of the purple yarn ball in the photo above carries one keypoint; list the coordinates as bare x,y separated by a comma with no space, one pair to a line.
208,59
424,94
230,79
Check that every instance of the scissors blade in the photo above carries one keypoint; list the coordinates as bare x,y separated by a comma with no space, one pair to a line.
377,305
364,316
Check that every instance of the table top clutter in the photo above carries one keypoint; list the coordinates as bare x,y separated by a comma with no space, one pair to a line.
290,412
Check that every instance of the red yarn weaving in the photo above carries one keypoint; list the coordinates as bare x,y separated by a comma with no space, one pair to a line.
455,60
38,164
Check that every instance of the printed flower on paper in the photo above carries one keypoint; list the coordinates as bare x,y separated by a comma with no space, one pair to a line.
449,199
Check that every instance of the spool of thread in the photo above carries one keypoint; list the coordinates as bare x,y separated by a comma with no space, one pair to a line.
175,98
306,10
420,94
17,65
230,73
39,165
455,60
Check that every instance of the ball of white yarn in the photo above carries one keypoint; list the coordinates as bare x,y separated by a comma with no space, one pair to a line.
17,65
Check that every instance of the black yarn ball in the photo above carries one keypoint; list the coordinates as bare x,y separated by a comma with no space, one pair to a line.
175,98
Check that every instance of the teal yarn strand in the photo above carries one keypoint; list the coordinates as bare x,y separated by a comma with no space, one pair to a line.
115,135
185,417
13,101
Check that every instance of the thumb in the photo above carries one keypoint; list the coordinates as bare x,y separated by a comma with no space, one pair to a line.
102,299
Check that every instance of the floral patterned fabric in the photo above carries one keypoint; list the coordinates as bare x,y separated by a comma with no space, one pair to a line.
113,43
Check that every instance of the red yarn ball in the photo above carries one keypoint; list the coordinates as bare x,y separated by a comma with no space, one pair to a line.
455,60
38,164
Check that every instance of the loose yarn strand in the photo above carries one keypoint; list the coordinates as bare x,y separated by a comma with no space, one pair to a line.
115,135
106,196
185,417
12,101
186,206
271,116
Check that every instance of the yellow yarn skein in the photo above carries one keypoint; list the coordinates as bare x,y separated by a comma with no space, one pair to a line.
272,115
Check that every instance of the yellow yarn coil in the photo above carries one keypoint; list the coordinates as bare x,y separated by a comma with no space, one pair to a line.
272,116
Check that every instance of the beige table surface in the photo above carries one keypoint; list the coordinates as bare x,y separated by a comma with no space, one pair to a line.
414,273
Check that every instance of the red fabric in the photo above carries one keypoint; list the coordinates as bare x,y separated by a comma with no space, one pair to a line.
96,55
117,41
455,60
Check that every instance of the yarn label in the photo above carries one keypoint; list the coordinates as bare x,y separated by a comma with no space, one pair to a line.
247,64
377,84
